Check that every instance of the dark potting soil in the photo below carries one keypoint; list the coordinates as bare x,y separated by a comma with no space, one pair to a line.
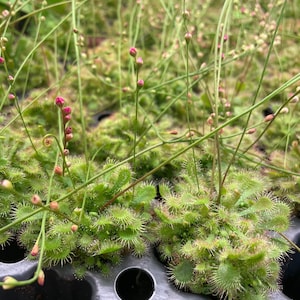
55,288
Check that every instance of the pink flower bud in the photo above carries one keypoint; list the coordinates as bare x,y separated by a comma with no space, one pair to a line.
132,52
67,110
251,130
140,83
190,134
2,60
269,118
58,170
10,78
68,136
188,36
41,278
173,131
227,104
54,206
59,101
125,89
210,121
36,200
5,13
67,118
139,62
11,96
74,227
66,152
35,250
68,130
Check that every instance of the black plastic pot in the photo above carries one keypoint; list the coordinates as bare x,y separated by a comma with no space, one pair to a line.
291,267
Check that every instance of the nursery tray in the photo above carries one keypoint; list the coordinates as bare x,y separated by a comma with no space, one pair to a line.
134,279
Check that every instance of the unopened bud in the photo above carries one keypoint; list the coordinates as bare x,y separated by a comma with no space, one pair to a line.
11,96
284,110
251,130
59,101
36,200
74,227
67,118
210,121
188,36
41,278
67,110
125,89
190,134
77,210
58,170
174,132
139,62
227,104
69,136
186,14
9,282
68,130
295,99
140,83
35,250
7,184
132,52
268,118
54,206
295,143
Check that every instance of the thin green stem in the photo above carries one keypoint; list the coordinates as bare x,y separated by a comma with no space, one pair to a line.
119,12
257,91
79,84
289,241
218,57
25,126
279,90
188,112
16,75
270,122
209,135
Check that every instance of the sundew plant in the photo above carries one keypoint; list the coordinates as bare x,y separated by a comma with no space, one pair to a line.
128,126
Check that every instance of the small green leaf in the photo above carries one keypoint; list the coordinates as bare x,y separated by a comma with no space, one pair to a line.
144,194
263,203
123,178
24,211
182,273
109,248
162,216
